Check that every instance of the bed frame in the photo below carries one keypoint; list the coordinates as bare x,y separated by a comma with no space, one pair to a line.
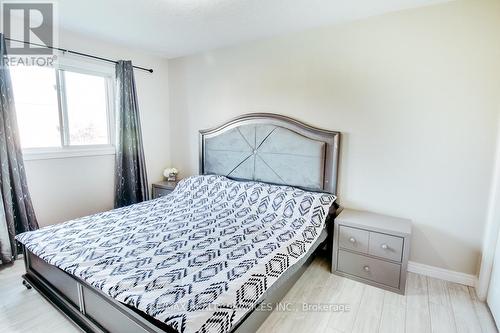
261,147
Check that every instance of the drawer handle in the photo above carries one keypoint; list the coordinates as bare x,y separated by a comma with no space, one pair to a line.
352,240
384,246
366,268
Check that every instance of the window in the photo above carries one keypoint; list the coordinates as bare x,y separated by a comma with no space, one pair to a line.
64,111
86,112
35,96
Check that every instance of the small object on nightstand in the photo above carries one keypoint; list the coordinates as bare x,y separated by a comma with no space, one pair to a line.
372,248
163,188
170,174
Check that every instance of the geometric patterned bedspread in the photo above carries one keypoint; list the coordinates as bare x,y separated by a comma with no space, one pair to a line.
197,259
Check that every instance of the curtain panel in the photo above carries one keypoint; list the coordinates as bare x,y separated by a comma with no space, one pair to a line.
16,209
131,184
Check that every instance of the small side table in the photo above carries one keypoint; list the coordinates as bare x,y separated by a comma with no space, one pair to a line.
372,248
163,188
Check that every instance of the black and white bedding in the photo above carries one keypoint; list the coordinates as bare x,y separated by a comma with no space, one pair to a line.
198,259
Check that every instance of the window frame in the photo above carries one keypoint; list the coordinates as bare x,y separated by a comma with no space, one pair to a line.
66,150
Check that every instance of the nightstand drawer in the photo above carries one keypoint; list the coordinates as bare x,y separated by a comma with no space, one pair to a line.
353,239
160,192
372,269
386,246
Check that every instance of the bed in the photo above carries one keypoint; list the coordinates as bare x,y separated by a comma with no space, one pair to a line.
207,257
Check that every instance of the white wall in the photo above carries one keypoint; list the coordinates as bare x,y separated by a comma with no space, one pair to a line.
67,188
415,94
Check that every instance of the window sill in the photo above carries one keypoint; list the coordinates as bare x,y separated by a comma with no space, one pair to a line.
70,152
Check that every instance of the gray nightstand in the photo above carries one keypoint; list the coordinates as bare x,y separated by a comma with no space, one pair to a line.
163,188
372,248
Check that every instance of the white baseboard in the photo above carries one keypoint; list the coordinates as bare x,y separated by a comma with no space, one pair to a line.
443,274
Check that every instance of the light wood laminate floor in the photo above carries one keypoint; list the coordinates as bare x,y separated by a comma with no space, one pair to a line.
430,305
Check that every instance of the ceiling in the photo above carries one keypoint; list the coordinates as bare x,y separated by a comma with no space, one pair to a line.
174,28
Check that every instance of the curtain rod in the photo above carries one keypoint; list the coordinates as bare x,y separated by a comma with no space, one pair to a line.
76,53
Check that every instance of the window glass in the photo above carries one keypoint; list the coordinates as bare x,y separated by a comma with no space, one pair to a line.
86,103
37,109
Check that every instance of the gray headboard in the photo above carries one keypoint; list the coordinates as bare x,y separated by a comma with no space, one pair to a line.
272,148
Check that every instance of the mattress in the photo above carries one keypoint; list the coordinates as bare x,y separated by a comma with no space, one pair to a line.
198,259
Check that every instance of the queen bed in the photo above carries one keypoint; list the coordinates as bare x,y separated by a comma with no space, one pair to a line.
211,256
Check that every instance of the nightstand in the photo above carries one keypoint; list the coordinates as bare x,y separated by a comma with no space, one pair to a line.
372,248
163,188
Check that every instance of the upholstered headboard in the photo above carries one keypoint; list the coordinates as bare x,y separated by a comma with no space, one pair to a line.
272,148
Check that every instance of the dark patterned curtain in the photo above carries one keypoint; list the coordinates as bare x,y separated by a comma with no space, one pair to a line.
131,183
16,210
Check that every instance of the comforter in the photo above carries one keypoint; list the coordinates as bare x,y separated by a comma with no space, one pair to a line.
198,259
